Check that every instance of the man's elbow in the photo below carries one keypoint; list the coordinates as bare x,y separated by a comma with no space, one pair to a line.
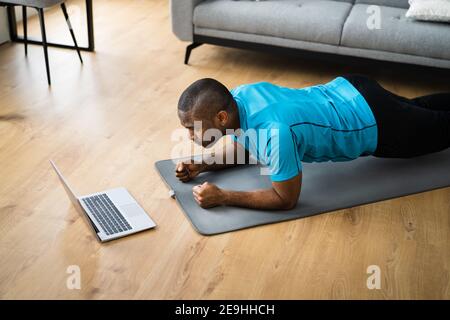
287,204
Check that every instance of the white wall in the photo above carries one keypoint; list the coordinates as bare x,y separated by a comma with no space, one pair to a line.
30,12
4,33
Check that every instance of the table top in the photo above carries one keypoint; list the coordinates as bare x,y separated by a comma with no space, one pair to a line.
33,3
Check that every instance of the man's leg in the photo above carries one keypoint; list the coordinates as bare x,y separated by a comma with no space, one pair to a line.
405,129
437,101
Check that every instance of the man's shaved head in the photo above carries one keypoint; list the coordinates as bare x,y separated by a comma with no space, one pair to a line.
209,103
205,98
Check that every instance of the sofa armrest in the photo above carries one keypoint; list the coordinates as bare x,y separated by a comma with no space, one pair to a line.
181,14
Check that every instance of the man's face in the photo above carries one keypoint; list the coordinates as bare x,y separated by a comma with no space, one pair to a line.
200,129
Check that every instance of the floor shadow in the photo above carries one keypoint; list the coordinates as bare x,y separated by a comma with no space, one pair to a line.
11,117
431,78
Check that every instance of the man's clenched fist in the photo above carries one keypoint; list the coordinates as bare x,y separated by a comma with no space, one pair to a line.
208,195
188,170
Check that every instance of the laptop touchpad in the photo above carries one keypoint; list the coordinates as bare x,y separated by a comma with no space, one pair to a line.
132,210
120,196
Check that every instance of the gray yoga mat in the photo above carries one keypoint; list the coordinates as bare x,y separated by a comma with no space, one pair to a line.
327,186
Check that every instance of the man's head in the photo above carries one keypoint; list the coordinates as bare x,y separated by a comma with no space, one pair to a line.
210,103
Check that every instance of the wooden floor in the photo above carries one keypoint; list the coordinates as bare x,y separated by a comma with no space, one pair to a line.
105,123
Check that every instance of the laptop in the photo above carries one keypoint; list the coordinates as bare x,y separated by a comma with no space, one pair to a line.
112,214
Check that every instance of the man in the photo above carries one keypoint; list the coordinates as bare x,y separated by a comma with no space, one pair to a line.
348,117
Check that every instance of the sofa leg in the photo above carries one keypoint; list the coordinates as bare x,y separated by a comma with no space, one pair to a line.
189,48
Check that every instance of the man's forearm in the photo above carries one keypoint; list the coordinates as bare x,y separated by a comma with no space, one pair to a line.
210,163
230,156
258,199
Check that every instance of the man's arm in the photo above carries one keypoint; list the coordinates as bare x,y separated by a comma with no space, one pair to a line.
286,174
230,155
282,196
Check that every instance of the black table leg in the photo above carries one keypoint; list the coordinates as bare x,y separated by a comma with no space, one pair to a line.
66,16
12,24
25,31
44,42
90,25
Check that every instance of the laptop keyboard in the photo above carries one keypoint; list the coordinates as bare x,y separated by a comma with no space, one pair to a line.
106,214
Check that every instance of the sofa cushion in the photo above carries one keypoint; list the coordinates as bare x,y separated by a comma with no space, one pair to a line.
396,34
294,19
387,3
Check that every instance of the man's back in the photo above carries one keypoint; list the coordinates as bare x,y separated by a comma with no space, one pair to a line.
327,122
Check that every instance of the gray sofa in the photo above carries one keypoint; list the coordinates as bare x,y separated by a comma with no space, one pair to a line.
330,27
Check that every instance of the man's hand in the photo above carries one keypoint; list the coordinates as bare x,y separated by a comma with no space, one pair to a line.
188,170
283,195
208,195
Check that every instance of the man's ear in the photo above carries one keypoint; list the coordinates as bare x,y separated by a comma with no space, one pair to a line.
222,117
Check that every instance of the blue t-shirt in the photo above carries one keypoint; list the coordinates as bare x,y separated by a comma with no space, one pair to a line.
281,127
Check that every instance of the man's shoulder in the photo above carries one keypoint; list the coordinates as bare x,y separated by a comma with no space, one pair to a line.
250,86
